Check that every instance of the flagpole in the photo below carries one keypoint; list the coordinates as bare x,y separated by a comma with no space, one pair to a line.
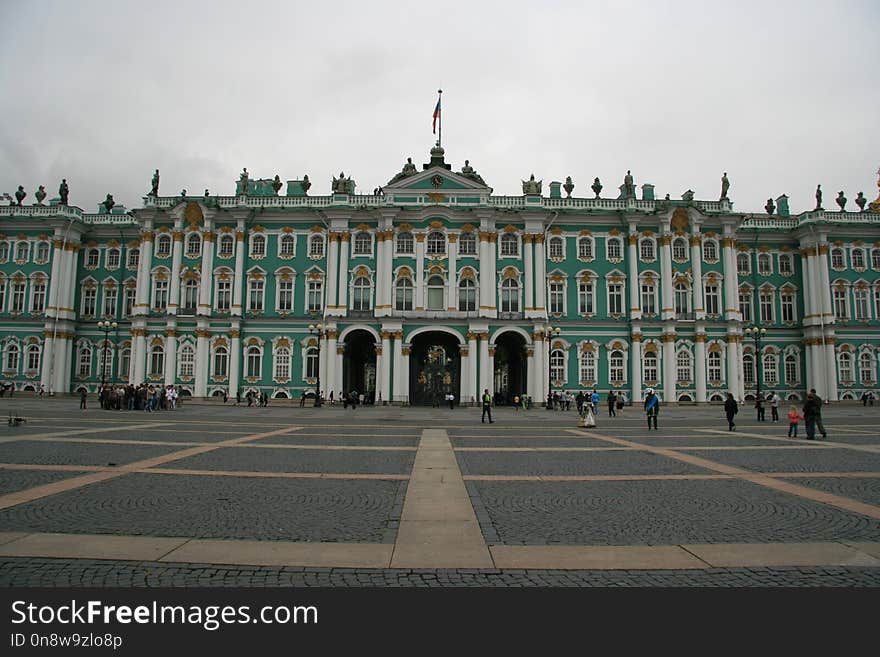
440,120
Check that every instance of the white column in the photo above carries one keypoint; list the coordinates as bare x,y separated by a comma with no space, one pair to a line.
46,360
465,389
379,307
531,381
635,367
55,279
171,356
337,360
697,268
490,368
324,360
539,373
332,271
176,258
669,368
63,348
731,278
809,293
831,373
540,277
145,264
732,369
824,291
820,376
529,264
667,309
485,375
808,365
330,375
381,362
473,367
139,356
492,288
420,272
632,257
452,278
203,360
404,372
207,280
700,363
398,394
234,360
342,298
816,284
386,367
238,283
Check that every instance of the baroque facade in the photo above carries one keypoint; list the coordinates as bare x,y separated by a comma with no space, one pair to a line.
434,285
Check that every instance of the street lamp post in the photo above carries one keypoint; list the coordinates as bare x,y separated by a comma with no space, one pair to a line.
319,331
106,327
551,331
756,334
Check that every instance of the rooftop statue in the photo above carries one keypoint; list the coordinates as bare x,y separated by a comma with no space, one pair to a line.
629,188
841,201
409,169
819,197
244,179
860,201
276,184
63,191
469,172
306,184
532,186
568,186
770,208
40,194
20,194
155,189
725,185
597,187
108,203
342,185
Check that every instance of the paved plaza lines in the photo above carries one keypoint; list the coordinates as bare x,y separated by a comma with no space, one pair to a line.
403,489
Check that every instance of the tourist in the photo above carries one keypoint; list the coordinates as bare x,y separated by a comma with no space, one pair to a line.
730,410
652,407
811,411
487,406
516,402
451,399
819,424
612,403
594,399
759,407
793,417
579,402
774,406
82,398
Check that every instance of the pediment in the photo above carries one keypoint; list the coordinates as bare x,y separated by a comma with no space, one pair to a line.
439,179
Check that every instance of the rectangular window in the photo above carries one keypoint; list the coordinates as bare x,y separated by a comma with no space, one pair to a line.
39,298
745,306
649,306
839,303
615,368
749,372
791,370
110,301
861,304
557,298
3,296
255,295
17,298
161,299
129,300
785,266
585,300
788,308
285,296
612,249
713,300
112,258
316,296
766,307
89,298
224,295
615,299
714,366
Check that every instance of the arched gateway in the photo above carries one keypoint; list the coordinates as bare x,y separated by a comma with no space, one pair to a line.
435,368
359,364
511,367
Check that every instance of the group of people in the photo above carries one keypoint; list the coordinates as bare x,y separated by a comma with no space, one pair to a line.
147,398
253,398
812,413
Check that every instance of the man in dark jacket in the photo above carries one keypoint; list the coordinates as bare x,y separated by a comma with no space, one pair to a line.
652,407
812,408
730,409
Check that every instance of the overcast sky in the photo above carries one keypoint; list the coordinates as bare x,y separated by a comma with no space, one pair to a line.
781,95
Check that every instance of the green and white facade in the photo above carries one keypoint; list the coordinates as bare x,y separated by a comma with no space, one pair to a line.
437,285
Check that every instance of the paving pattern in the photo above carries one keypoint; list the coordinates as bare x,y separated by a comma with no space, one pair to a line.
288,489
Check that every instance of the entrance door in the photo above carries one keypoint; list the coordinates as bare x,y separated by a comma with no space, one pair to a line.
435,369
510,367
359,365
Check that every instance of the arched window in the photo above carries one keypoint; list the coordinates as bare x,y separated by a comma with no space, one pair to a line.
650,373
436,243
258,246
467,295
557,366
360,296
683,367
221,362
764,267
112,258
616,372
679,249
133,258
42,252
646,249
613,249
163,246
785,264
13,354
748,369
743,264
32,362
4,251
710,250
403,294
858,259
792,375
254,362
316,246
405,243
186,361
311,363
866,368
713,366
771,376
286,246
157,361
588,368
467,244
585,248
556,247
85,361
509,296
226,246
193,245
190,296
436,286
844,364
837,261
509,245
363,243
93,256
282,363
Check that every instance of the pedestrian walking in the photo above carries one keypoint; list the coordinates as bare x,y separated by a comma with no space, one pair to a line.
594,399
774,406
811,412
612,404
793,417
730,410
759,407
82,398
487,406
652,407
819,424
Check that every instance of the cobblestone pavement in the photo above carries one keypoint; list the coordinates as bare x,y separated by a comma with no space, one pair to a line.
328,475
93,573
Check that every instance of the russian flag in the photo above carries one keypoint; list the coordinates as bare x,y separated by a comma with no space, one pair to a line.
436,116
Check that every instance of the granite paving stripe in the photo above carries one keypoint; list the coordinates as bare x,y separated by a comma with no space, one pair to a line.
78,453
85,546
20,497
555,440
13,480
283,553
772,554
543,448
545,463
76,432
273,475
803,441
810,459
8,537
567,557
784,486
396,461
268,509
342,440
687,477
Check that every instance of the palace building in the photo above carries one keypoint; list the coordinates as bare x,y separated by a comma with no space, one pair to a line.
433,284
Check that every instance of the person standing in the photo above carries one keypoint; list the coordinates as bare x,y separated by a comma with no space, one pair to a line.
759,407
82,398
819,424
774,406
730,410
487,406
594,399
612,403
652,407
451,399
811,411
793,417
516,402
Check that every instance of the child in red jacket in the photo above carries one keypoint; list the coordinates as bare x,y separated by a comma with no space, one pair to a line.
793,417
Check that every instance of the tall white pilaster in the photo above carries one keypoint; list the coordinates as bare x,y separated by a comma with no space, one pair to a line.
330,376
207,279
700,363
485,374
176,260
385,368
238,283
529,264
540,277
667,308
171,355
697,267
669,368
234,360
420,271
332,271
831,373
632,263
635,366
473,367
203,360
452,278
342,291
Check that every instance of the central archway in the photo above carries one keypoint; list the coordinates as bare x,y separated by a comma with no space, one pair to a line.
435,368
359,364
511,367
